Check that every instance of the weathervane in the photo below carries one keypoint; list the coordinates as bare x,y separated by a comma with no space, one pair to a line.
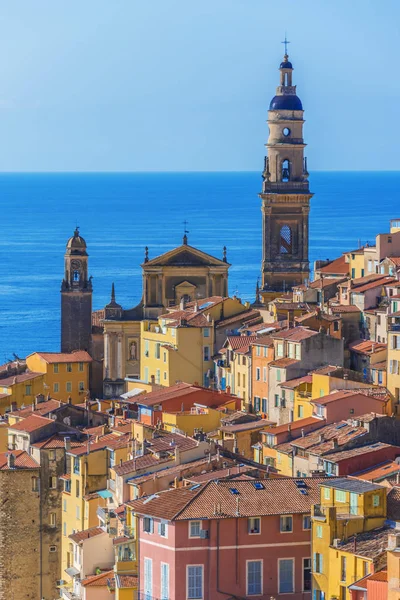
286,42
185,232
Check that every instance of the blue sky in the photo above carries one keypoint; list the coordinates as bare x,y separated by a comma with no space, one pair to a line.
138,85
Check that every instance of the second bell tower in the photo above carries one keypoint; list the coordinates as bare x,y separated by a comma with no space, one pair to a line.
285,191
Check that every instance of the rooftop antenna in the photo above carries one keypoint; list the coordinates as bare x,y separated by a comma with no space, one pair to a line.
286,42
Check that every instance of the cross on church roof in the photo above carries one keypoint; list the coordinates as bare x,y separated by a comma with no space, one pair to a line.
286,42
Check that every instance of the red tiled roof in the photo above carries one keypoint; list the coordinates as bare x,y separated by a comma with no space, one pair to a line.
178,390
126,581
321,441
244,317
294,425
245,426
240,341
86,534
370,544
22,461
276,496
373,284
341,395
343,308
264,340
140,462
221,473
56,441
378,472
293,383
64,357
367,347
21,378
283,362
98,580
41,408
352,452
31,423
338,265
109,440
295,334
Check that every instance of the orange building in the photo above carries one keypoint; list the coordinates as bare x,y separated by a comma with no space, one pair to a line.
262,353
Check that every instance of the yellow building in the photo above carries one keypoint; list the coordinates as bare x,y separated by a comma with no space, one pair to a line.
66,375
302,390
350,515
199,417
176,350
20,390
355,260
393,352
241,367
85,487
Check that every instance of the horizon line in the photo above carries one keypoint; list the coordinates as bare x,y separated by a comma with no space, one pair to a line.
153,172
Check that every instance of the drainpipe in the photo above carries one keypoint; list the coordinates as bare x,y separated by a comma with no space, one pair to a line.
40,538
232,595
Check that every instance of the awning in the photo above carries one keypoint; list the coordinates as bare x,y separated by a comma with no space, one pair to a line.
71,571
105,494
134,392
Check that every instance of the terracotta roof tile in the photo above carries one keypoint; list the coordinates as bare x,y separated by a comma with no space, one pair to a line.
378,472
369,544
22,461
86,534
109,440
179,390
339,395
294,425
293,383
393,504
57,441
338,265
98,580
126,581
244,317
41,408
321,441
367,347
31,423
21,378
64,357
261,424
346,454
343,308
276,496
283,362
240,341
373,284
295,334
139,463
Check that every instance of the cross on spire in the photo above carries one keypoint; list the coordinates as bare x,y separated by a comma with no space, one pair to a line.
286,42
185,224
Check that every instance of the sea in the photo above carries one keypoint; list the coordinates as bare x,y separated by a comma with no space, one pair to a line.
120,213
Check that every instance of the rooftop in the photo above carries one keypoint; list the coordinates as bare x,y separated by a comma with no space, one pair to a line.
86,534
367,347
295,334
178,390
64,357
260,424
31,423
351,485
369,544
379,472
22,461
21,378
337,457
337,266
341,395
98,580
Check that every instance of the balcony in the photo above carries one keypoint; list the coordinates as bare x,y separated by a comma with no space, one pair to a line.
395,327
69,595
304,394
319,512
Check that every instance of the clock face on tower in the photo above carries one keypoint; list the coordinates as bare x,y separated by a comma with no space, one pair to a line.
76,265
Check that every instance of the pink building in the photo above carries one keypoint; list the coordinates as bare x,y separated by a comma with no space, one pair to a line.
223,539
345,404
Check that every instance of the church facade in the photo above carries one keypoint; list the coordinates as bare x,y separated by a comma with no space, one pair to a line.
112,334
285,192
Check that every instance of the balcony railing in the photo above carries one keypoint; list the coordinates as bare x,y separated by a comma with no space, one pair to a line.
393,326
304,394
318,511
69,595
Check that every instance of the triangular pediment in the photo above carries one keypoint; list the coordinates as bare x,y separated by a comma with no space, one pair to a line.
185,256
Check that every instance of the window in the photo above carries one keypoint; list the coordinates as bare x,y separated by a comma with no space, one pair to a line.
81,386
69,386
157,350
300,411
278,374
286,524
64,505
256,404
254,577
165,375
264,408
148,578
265,353
254,525
365,568
238,379
77,489
306,522
52,519
69,368
343,568
327,494
195,581
35,484
276,400
55,368
52,548
28,390
158,376
264,374
279,349
53,483
148,525
244,361
206,353
258,374
376,500
164,581
194,529
258,350
342,593
285,246
65,529
319,531
340,496
165,357
286,575
78,512
80,367
76,465
146,374
52,455
163,529
56,387
318,562
306,574
291,350
206,332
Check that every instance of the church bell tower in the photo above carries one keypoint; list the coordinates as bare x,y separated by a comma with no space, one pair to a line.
76,297
285,192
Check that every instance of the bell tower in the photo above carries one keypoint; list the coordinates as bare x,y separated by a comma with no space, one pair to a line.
285,191
76,297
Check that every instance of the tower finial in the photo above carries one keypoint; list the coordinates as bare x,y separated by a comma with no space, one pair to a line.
224,254
185,232
76,232
286,42
146,254
113,292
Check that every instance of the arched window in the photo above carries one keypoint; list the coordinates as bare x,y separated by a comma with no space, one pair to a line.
285,170
285,244
76,275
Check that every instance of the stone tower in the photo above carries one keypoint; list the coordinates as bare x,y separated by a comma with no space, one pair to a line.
285,191
76,297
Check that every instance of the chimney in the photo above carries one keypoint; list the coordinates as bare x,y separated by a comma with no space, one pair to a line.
196,307
237,506
88,446
228,390
345,376
182,303
302,432
321,438
177,456
152,379
67,444
69,400
11,460
289,427
335,443
372,348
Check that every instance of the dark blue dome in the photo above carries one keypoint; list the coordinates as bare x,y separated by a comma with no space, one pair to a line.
285,102
286,65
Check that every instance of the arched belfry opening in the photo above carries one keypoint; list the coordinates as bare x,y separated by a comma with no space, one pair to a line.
285,240
285,174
